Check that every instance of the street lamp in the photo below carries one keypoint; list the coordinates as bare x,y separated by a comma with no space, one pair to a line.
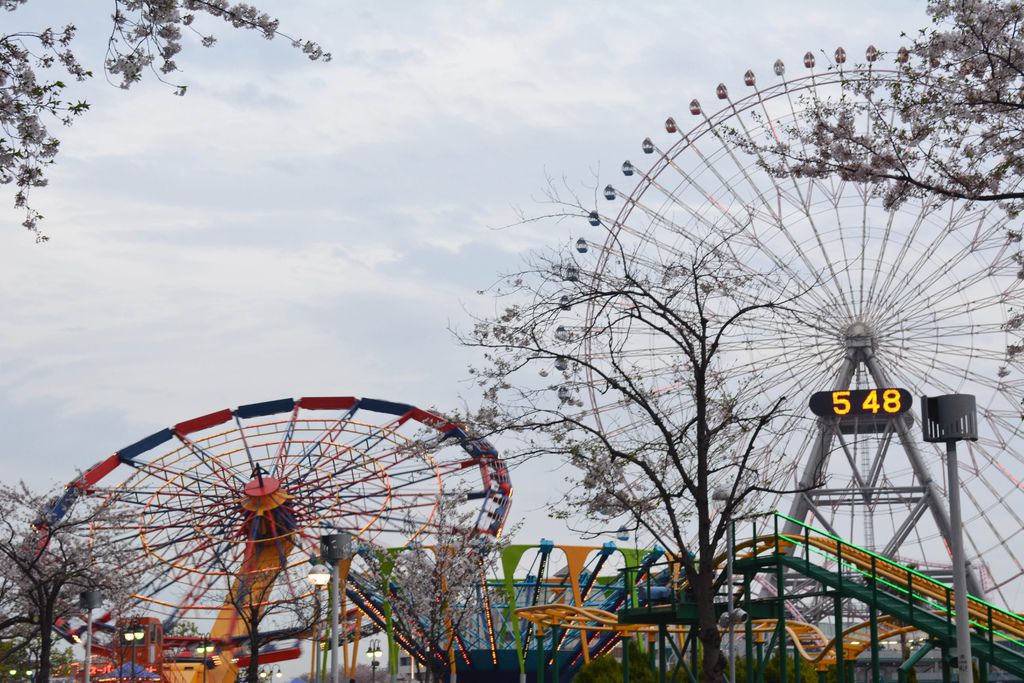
134,638
319,576
270,672
333,549
374,653
952,418
89,600
204,651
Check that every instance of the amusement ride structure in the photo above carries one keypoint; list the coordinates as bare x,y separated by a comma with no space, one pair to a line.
227,510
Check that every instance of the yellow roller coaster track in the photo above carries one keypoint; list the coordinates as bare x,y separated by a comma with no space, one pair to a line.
810,642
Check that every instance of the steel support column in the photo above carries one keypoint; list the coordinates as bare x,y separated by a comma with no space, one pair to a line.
818,459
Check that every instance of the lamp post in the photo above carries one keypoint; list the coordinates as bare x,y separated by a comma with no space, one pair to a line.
333,549
134,637
319,576
204,651
374,653
89,600
952,418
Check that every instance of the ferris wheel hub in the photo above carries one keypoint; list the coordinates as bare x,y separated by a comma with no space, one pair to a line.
261,486
859,334
264,494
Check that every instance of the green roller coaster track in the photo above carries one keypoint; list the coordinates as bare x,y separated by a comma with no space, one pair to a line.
834,568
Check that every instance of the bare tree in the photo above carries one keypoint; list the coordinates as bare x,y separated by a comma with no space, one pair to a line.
48,559
264,616
146,35
641,331
942,117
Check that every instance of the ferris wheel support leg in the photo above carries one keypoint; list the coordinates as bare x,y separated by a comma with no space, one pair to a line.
818,458
934,496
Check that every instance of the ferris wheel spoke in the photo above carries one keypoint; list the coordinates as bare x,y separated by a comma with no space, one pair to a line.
805,198
944,317
926,258
738,225
211,464
968,329
1007,427
168,475
954,290
899,263
887,235
986,520
808,285
329,434
286,443
172,577
365,443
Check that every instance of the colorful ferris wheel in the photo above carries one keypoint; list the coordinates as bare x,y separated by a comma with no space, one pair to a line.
241,497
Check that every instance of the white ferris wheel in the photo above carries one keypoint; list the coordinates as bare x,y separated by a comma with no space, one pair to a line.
915,297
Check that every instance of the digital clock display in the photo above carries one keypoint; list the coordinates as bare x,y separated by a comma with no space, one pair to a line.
861,402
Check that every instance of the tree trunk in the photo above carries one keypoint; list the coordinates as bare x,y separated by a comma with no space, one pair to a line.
45,645
710,638
253,670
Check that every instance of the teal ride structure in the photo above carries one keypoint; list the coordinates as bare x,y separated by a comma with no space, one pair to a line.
492,642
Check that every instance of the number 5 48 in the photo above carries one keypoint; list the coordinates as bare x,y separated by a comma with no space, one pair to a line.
843,402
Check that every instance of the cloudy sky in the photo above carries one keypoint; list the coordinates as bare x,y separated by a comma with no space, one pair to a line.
293,228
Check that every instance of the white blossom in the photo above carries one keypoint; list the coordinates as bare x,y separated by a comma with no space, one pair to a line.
146,36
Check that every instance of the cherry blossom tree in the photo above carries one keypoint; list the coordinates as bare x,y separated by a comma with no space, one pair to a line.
942,116
433,588
146,37
643,337
47,561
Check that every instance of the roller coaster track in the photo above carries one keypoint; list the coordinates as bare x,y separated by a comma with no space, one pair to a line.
892,589
904,599
812,644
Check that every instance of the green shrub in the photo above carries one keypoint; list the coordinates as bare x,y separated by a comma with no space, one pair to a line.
607,669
